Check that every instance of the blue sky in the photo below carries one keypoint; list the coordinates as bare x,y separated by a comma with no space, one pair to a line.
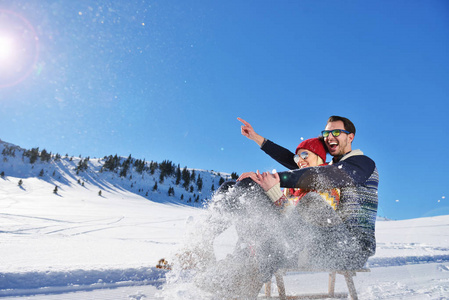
168,79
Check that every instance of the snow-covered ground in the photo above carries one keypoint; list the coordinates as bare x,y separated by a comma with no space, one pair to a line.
79,245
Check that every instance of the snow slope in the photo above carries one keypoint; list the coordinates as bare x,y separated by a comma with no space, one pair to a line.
63,171
76,244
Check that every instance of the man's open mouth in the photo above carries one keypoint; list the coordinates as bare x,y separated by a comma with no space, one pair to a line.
333,146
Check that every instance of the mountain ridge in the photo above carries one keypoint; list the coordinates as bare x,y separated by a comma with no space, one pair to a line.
163,182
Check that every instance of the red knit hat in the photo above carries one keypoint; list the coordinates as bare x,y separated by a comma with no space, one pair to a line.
315,145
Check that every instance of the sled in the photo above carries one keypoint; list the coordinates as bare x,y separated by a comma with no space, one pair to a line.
348,275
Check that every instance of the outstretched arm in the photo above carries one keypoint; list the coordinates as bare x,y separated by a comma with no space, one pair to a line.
278,153
266,180
269,182
352,171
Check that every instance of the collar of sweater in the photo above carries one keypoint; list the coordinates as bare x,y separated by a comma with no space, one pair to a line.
337,159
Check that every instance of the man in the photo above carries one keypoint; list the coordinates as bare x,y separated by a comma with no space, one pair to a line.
350,171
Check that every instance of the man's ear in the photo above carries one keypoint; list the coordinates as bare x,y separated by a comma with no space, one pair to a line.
351,137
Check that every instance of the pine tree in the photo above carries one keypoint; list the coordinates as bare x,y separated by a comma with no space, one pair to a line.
99,193
82,165
33,154
167,168
161,177
41,173
186,178
9,151
55,189
139,165
221,181
125,167
153,167
199,183
112,163
155,187
45,156
2,174
178,175
20,182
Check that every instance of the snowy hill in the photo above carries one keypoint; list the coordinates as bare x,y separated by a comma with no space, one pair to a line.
77,244
162,182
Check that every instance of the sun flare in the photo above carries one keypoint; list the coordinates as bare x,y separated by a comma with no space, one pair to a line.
19,48
6,48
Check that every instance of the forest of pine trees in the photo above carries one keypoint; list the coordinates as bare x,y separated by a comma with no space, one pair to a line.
190,180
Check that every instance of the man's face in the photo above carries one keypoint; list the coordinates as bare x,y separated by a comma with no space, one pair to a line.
341,144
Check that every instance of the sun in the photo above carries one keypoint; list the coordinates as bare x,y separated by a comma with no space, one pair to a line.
6,48
19,48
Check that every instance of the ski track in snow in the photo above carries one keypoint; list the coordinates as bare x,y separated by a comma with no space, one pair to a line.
55,282
152,274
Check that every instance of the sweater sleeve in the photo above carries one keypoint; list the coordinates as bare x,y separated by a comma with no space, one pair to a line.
277,197
275,193
350,172
279,154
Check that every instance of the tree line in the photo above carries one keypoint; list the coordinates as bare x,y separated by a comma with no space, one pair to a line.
188,179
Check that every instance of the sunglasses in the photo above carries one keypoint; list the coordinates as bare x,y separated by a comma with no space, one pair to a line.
303,155
335,132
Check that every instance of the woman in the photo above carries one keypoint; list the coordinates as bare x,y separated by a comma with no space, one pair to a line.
309,153
309,216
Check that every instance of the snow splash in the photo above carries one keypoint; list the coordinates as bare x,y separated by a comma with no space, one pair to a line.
231,251
244,239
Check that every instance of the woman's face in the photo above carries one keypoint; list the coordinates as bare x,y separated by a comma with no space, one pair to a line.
306,159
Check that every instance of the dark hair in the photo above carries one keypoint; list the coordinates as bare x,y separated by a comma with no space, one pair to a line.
349,126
